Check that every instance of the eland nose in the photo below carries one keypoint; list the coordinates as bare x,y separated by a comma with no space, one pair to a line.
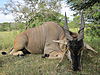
76,68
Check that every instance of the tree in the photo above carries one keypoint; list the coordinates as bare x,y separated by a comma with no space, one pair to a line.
91,8
5,26
91,12
81,4
75,22
34,12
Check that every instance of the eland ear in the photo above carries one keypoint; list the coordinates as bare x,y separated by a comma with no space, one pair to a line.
88,47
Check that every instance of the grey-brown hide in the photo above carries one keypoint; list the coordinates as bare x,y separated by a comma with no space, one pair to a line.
39,39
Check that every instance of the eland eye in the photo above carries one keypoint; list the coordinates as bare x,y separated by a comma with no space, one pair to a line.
56,55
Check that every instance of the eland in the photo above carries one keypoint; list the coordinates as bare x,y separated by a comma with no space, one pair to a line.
53,41
74,45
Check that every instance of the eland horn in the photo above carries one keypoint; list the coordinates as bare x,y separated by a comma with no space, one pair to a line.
81,30
69,37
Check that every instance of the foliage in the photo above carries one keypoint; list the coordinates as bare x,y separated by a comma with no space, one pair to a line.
5,26
91,13
19,26
11,26
75,22
81,4
90,7
93,18
34,12
93,30
41,17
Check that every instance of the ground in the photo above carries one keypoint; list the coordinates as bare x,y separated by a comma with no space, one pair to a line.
33,64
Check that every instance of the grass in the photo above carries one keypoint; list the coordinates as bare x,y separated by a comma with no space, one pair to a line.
7,38
35,65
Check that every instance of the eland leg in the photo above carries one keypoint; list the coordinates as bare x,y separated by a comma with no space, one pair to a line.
16,53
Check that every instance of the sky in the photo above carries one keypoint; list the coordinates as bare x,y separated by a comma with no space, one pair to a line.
2,2
5,18
10,17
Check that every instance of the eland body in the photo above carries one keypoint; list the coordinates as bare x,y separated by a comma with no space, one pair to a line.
39,40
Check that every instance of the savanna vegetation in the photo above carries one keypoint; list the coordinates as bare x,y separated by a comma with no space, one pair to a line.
31,13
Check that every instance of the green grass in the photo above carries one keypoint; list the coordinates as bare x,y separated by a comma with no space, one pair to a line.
7,38
35,65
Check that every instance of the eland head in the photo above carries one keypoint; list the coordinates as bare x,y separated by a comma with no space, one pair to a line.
75,43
